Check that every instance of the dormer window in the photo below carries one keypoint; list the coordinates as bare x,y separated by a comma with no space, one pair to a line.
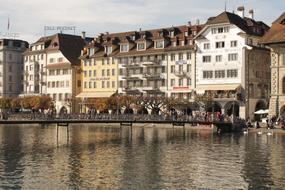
141,46
108,50
160,34
54,44
91,51
133,37
172,33
159,44
124,48
186,33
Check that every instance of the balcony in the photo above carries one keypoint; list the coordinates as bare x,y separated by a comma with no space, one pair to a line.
132,77
131,65
182,74
155,63
154,76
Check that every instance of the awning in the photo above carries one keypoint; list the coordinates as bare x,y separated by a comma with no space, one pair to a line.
218,87
95,94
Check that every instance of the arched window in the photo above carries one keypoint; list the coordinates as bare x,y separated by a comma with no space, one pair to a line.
283,85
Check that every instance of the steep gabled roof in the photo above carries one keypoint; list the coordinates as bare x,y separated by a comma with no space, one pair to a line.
276,34
245,24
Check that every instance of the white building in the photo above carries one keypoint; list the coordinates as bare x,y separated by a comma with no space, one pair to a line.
11,66
52,68
231,65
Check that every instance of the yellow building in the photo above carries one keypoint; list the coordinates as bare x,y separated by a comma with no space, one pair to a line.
98,70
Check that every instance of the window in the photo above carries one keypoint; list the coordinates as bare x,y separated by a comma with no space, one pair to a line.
180,82
108,84
51,60
53,84
61,83
94,85
172,57
220,30
85,73
172,68
180,56
10,56
233,43
172,82
103,84
113,72
51,72
94,73
59,96
232,56
103,73
48,84
54,96
57,71
226,29
108,72
188,82
90,73
232,73
220,45
85,63
206,59
159,44
10,68
91,51
10,78
214,30
65,71
207,74
218,58
90,84
57,84
141,46
113,84
188,55
206,45
90,62
85,84
220,74
67,83
180,68
108,50
188,68
60,60
124,48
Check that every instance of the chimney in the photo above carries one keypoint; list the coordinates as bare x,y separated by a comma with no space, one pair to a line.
251,14
240,11
189,23
83,35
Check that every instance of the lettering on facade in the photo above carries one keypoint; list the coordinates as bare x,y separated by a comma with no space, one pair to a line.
181,62
99,79
59,28
181,88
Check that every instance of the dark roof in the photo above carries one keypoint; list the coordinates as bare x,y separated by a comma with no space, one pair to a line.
276,34
69,45
150,36
248,25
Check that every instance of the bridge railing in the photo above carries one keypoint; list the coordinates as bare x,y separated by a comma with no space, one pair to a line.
119,117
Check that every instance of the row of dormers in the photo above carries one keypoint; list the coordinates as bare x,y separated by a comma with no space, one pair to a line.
142,40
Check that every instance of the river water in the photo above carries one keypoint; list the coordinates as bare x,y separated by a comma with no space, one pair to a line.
106,157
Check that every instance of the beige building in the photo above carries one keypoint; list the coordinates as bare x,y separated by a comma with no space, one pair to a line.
11,67
275,39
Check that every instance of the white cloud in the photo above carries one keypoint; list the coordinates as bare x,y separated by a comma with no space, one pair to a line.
30,16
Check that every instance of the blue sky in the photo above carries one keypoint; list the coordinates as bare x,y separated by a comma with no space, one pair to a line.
28,17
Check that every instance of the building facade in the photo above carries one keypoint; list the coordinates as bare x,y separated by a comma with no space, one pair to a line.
159,62
52,67
275,40
231,66
11,66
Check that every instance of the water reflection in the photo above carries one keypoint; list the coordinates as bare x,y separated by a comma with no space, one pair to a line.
107,157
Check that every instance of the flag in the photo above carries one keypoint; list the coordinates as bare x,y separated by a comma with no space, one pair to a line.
8,25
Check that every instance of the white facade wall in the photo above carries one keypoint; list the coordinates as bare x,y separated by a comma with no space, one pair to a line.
59,84
224,64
